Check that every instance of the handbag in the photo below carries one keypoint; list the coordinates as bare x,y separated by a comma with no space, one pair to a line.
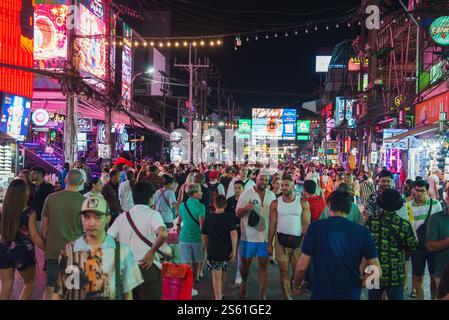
289,241
421,232
253,219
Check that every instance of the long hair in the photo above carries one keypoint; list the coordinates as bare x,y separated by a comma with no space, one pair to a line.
14,203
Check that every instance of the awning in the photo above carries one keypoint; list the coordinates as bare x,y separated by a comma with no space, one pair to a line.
56,103
414,132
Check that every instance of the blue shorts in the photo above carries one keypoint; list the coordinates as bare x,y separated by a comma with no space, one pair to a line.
191,252
254,249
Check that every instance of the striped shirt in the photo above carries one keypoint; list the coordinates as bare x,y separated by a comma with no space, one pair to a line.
367,188
418,213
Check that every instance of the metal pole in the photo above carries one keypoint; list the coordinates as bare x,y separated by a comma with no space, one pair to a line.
190,102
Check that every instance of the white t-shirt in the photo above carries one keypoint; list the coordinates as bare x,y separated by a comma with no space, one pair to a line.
432,179
125,196
147,222
249,185
260,232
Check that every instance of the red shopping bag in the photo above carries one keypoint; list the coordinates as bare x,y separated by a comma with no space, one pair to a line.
177,281
173,237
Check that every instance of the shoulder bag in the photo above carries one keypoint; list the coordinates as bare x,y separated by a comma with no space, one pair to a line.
190,213
421,232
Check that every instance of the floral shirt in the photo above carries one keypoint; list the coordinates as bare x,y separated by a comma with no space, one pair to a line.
87,274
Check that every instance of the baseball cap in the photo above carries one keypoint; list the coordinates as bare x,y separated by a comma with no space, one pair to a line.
95,204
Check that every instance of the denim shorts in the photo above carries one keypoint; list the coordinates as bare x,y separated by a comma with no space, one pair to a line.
191,252
254,249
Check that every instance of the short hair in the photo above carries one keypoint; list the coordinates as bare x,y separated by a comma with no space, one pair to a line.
288,177
40,170
95,180
418,178
340,201
193,188
130,175
220,201
142,192
153,169
310,186
74,177
385,174
421,183
199,178
114,172
240,182
166,179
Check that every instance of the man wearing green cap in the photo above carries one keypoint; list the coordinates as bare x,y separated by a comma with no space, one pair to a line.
95,266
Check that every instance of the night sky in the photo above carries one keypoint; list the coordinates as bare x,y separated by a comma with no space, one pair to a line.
275,72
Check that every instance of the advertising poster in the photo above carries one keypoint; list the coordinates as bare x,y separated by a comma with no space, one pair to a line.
340,104
50,36
15,116
244,128
127,66
274,123
91,47
428,112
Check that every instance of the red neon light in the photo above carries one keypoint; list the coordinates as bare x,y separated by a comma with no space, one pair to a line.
15,48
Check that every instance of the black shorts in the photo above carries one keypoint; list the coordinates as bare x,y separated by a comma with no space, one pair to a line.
17,255
419,259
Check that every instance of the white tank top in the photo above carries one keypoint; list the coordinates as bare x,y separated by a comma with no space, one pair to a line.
289,217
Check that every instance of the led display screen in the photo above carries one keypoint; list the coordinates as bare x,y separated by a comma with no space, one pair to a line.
15,116
340,104
127,66
274,123
91,47
50,36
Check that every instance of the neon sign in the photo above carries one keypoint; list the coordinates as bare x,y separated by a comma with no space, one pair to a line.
439,31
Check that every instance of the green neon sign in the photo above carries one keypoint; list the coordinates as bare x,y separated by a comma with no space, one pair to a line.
439,31
303,126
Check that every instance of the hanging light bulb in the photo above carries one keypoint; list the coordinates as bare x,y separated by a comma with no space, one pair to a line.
202,43
219,42
275,35
406,20
136,44
194,43
145,44
257,38
121,43
286,34
114,43
337,26
360,23
247,39
267,37
152,43
235,48
327,27
316,28
212,43
349,24
394,21
176,44
296,32
307,31
161,44
106,43
168,44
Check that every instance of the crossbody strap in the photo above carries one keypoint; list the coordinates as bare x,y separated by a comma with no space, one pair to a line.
165,198
190,213
430,210
118,277
142,237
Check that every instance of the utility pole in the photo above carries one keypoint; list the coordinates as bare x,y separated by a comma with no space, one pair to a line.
108,106
70,136
191,68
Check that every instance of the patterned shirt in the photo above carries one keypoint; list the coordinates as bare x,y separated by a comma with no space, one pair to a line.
87,274
392,235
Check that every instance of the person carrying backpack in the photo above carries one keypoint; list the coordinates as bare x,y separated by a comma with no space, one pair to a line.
216,187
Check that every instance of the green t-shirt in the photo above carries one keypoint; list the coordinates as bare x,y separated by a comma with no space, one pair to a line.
64,221
353,216
191,231
438,229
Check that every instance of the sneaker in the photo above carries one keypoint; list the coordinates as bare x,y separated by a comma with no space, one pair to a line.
194,293
238,282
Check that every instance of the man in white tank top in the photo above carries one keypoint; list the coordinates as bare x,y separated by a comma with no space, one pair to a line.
289,219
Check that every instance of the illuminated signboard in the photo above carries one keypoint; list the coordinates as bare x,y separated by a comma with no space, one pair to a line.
85,124
50,36
354,63
439,31
388,133
303,138
244,128
437,72
40,117
322,63
303,126
16,47
340,104
274,123
15,116
127,66
95,6
92,50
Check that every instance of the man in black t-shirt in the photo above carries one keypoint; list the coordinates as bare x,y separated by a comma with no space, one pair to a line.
43,189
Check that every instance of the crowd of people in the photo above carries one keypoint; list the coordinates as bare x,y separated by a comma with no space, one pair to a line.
330,230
